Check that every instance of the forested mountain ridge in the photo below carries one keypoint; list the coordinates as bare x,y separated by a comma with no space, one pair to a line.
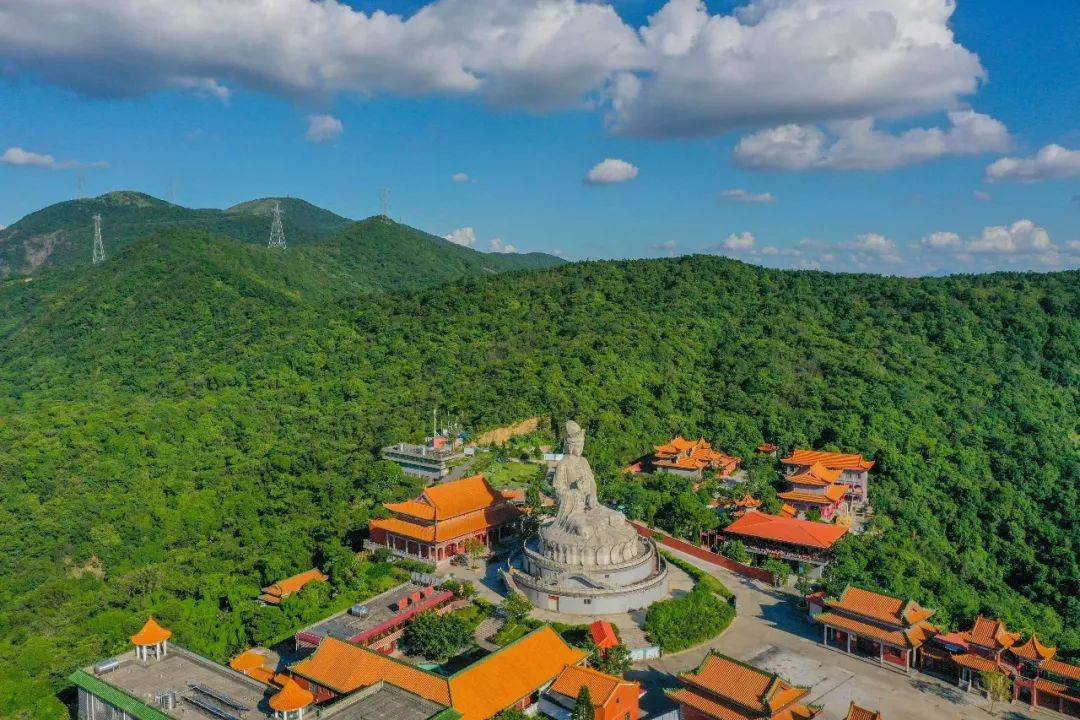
375,253
180,426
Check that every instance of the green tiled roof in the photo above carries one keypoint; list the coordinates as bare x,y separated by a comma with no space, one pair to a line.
115,697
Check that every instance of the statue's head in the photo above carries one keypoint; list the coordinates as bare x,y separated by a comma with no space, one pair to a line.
574,444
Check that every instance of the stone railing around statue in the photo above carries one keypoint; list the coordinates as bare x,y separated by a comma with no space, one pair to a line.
755,573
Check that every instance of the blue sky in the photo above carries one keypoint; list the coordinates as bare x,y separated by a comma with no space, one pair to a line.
182,114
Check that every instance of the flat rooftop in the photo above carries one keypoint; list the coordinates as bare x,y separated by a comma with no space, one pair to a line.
383,701
344,626
180,672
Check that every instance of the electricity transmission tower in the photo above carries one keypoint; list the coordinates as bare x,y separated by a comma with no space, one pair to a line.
277,231
384,201
99,246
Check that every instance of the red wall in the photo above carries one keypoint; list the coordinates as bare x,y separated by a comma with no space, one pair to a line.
711,557
624,700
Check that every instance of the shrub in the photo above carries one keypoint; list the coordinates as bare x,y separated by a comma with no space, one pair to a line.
699,575
683,622
437,637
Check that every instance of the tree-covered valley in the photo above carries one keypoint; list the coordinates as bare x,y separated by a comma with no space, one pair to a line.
198,416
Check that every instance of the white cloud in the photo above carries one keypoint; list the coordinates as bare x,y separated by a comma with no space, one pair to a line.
459,177
738,242
1023,236
465,236
867,249
667,247
856,144
980,195
498,246
686,72
941,241
792,61
323,128
1052,162
24,158
739,195
611,171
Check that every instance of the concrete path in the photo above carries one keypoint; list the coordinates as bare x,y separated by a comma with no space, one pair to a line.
771,632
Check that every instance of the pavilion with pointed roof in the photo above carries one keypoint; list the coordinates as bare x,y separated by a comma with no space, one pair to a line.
290,701
152,641
442,521
886,628
722,688
1041,680
856,712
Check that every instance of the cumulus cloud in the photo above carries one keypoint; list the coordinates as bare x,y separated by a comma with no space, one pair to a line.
24,158
941,241
610,172
738,242
1023,236
868,247
323,128
465,236
858,145
685,72
459,177
1052,162
496,245
739,195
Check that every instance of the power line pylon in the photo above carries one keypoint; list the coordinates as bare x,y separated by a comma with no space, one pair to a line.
384,201
277,230
99,246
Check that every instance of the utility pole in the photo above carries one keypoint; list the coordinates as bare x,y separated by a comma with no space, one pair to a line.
99,246
277,230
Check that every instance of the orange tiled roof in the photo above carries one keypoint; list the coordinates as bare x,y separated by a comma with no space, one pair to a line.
990,633
858,713
788,511
816,474
883,608
450,499
285,588
603,634
709,706
831,460
1063,669
1033,650
448,529
832,494
248,660
690,454
767,448
485,688
906,638
291,697
977,662
574,677
793,531
749,687
151,633
345,668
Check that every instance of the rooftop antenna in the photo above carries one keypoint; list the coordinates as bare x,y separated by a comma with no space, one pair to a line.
99,246
277,231
384,201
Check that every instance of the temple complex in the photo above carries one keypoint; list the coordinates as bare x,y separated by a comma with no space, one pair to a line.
722,688
588,559
871,624
692,458
439,523
852,470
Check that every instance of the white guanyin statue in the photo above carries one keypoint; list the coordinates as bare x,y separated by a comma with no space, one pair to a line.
584,532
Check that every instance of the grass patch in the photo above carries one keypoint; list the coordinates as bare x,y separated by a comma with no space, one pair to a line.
680,623
699,575
513,630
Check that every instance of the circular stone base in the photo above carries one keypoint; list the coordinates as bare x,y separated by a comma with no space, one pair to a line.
575,591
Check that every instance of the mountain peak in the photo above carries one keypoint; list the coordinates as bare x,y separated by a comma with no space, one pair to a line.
131,198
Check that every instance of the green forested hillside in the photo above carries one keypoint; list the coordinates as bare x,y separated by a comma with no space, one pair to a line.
195,417
376,253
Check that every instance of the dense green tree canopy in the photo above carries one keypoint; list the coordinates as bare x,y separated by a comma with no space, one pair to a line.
197,417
